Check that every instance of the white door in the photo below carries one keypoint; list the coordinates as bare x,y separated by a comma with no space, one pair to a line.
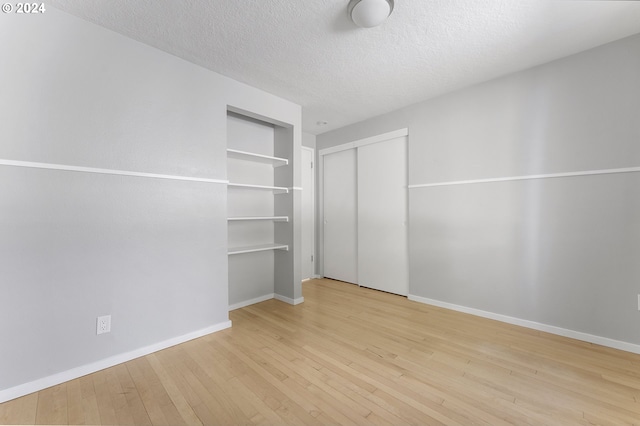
340,216
383,252
308,207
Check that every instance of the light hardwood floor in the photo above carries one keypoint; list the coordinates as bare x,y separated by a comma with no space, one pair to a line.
351,355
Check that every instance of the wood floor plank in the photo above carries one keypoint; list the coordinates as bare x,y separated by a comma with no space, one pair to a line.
147,389
205,368
348,385
186,412
118,398
351,355
75,408
104,398
52,406
291,402
190,394
136,407
20,411
90,408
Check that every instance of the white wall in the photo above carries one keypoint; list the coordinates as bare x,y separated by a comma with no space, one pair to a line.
74,245
563,251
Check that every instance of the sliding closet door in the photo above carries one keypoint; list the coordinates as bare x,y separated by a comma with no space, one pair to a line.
383,252
340,216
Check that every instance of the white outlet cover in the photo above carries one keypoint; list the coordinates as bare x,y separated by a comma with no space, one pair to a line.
103,324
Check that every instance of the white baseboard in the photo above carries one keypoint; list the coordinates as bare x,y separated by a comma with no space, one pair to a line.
266,297
313,277
251,301
74,373
288,300
603,341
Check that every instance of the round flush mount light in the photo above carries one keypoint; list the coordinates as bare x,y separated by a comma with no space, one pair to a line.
369,13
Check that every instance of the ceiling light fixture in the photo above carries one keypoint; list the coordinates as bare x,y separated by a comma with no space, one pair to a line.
369,13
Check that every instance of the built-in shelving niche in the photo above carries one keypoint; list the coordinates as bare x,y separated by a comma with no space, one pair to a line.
260,213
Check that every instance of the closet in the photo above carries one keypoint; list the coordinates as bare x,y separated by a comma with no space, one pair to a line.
365,213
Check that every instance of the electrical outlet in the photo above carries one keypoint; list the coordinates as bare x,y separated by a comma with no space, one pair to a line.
103,325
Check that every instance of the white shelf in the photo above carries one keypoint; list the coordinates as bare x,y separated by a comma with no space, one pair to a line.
276,189
273,218
259,158
254,249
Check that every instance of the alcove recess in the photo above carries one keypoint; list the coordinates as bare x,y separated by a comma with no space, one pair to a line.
260,210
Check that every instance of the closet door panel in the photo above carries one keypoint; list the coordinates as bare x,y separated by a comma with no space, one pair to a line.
340,216
383,251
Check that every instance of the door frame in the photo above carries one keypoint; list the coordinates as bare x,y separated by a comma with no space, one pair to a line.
342,147
314,270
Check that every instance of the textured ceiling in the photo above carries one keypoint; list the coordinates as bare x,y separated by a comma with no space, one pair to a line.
310,53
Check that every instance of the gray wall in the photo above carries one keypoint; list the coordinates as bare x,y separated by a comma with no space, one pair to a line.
562,251
287,263
74,245
308,140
